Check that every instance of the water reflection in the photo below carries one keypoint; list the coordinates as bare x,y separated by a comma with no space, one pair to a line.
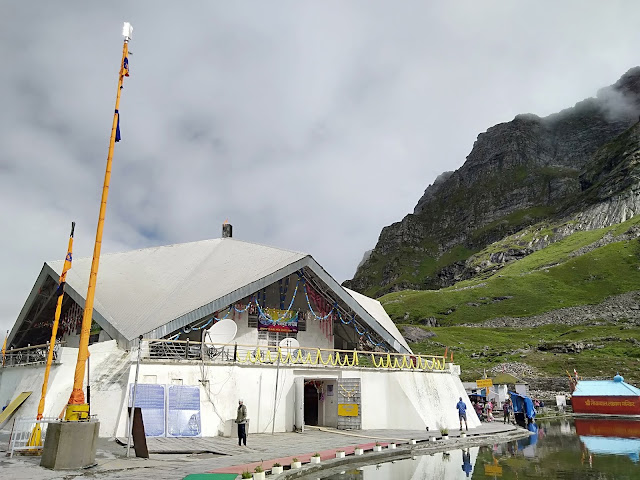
457,464
562,449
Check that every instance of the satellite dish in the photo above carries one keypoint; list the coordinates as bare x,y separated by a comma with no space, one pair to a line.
222,332
289,345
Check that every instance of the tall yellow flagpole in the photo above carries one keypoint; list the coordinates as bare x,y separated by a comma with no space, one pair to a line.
35,440
78,409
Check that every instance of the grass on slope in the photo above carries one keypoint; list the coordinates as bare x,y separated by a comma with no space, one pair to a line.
545,280
499,345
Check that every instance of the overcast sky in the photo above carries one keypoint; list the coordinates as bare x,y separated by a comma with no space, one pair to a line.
309,125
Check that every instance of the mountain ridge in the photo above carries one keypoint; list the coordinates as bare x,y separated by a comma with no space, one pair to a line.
578,165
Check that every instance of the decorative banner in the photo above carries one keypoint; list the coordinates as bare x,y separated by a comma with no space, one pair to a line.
347,409
278,321
484,383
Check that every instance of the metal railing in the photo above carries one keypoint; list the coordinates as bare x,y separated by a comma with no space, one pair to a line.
29,355
270,355
21,434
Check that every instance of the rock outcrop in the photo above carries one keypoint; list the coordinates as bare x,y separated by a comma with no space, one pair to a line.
581,163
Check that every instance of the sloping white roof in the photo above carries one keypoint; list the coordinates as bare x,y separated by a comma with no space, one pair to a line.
155,291
141,290
377,311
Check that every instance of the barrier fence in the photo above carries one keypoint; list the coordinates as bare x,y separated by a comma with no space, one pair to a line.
31,354
269,355
21,432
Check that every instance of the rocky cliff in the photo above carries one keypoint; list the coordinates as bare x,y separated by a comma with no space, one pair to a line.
579,164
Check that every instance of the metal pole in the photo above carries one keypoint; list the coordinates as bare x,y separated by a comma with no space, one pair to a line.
133,400
77,407
275,396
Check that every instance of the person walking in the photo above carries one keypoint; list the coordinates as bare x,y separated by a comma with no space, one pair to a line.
241,420
462,413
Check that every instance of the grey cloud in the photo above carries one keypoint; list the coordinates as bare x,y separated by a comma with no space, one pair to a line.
309,126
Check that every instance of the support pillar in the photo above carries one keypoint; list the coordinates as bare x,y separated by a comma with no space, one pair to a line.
70,445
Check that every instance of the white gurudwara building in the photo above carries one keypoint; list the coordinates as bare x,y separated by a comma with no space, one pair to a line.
220,320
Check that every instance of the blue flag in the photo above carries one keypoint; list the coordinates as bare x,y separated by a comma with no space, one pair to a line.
118,127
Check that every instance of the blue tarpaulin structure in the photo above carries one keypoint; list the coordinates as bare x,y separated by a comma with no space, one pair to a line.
523,404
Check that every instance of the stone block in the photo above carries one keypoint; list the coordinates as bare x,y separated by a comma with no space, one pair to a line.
70,445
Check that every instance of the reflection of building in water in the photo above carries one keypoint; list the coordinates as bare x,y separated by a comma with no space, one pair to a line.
447,466
296,346
610,436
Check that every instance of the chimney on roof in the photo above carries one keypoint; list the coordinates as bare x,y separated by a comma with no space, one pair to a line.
227,230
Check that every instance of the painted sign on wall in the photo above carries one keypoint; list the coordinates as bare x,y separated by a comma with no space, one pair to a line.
620,405
348,409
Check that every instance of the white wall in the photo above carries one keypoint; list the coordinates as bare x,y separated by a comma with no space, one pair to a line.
411,400
106,391
390,399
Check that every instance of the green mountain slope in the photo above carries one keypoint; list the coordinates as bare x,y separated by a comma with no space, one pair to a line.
545,280
580,270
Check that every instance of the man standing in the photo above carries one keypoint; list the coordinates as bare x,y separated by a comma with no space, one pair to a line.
506,410
462,413
241,420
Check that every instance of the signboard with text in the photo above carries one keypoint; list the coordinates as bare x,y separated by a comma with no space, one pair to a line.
348,409
183,411
150,398
484,383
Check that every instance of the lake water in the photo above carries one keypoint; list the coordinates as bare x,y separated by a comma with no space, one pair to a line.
560,449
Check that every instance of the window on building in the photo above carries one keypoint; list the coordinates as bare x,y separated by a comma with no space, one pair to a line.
302,321
252,321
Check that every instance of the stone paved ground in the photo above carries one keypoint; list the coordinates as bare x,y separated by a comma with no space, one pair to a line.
112,463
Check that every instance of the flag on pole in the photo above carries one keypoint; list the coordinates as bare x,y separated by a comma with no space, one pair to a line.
118,127
125,67
65,269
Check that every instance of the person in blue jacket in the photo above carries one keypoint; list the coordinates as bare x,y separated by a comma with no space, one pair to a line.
462,413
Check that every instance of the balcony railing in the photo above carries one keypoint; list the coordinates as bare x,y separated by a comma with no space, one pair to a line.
271,355
30,355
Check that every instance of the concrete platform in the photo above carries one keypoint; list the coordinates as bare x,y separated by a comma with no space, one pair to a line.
262,448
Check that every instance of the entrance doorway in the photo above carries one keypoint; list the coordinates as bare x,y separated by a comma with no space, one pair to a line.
311,403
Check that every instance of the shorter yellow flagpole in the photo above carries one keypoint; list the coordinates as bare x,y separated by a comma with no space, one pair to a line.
4,347
35,440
